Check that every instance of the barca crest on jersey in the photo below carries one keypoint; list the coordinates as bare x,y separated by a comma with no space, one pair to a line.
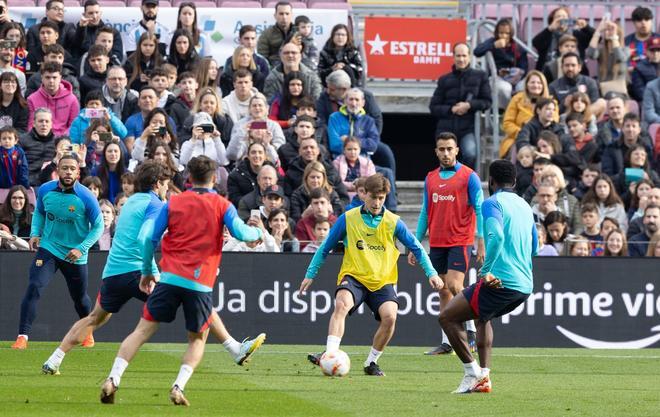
72,209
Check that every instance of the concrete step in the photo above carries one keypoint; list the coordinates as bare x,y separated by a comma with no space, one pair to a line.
410,192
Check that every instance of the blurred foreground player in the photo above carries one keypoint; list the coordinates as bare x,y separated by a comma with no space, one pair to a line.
192,250
66,222
121,275
369,269
506,276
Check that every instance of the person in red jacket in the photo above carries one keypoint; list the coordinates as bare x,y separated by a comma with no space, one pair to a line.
191,254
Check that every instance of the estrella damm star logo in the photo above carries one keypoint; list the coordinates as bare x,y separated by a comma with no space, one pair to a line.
72,209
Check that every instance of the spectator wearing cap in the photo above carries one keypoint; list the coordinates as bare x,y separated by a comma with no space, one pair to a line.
273,199
266,178
271,40
148,23
65,31
205,140
647,69
636,42
87,29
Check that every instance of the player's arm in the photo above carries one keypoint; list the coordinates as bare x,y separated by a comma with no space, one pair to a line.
94,217
494,233
38,217
146,231
150,234
238,228
337,233
422,225
476,198
535,240
404,236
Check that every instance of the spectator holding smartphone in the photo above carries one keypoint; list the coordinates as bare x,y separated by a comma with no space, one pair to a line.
157,127
94,109
205,140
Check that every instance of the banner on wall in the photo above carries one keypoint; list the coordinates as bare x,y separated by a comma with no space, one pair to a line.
220,25
577,302
411,48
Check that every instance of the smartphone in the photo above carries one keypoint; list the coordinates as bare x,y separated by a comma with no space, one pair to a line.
7,43
162,131
207,128
255,213
259,124
105,136
607,16
95,113
74,148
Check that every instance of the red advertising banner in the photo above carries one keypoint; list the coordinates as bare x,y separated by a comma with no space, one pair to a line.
411,48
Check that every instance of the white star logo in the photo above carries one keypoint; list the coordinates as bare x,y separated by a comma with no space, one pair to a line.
377,46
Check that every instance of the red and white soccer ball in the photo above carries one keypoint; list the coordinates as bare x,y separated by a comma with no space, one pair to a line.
335,363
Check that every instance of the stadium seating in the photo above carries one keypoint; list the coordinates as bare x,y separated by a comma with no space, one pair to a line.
251,4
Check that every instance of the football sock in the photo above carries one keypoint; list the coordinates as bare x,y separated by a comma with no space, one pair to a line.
485,371
232,346
472,368
332,343
117,370
469,326
185,373
445,339
373,356
24,335
56,358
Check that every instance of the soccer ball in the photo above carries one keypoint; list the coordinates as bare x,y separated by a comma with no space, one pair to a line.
335,363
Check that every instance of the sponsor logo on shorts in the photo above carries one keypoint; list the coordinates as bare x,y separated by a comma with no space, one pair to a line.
344,282
439,197
39,262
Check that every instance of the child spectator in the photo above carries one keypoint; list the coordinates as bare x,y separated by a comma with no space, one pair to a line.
543,249
585,144
538,167
314,176
603,194
321,229
94,109
109,214
94,79
94,185
636,167
127,185
556,226
591,222
13,163
360,193
607,225
16,212
589,175
351,165
310,53
580,247
524,168
616,244
340,53
580,103
120,200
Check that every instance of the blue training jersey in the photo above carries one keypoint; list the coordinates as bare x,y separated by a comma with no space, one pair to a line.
67,219
137,216
511,240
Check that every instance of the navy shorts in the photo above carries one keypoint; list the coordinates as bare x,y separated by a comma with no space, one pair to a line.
164,301
488,303
456,258
361,294
116,290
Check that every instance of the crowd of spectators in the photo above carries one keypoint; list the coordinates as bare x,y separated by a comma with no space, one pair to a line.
287,120
582,127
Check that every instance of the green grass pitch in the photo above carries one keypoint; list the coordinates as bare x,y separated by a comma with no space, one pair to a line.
280,382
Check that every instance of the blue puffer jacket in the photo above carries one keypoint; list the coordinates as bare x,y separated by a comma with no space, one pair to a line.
81,123
360,125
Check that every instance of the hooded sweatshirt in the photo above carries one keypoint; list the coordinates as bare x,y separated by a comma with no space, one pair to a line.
64,106
80,125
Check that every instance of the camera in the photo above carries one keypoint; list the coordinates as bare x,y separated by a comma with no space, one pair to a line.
162,131
105,136
207,128
7,43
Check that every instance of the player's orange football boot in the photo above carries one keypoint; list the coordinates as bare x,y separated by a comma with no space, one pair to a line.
177,397
483,385
89,341
20,343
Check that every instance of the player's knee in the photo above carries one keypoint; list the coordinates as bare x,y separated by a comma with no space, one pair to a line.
484,344
342,307
455,287
34,291
388,321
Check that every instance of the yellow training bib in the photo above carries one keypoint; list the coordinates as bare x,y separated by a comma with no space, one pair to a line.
370,255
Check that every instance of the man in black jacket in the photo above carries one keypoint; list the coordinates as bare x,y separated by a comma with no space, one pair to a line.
309,151
639,243
182,106
88,28
458,96
116,96
39,144
573,81
95,78
612,160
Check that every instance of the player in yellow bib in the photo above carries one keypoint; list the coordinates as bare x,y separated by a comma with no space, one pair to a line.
369,269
